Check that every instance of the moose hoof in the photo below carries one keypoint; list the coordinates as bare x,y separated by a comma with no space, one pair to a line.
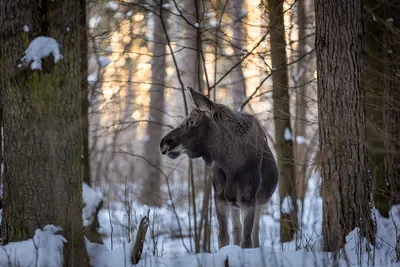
246,243
223,240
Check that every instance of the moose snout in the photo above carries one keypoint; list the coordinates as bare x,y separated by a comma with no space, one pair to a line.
163,148
166,144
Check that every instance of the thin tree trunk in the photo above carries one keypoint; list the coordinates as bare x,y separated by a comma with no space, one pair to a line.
341,97
191,70
239,85
85,93
301,78
91,233
204,220
151,187
374,78
283,131
42,126
131,64
392,98
2,166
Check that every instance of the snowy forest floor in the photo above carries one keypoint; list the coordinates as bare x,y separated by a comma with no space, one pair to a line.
119,230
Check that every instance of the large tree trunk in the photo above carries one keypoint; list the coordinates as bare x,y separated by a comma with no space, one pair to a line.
42,125
340,65
238,38
151,184
283,131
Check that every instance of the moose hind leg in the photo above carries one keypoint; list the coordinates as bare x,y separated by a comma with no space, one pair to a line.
256,227
248,220
236,226
222,209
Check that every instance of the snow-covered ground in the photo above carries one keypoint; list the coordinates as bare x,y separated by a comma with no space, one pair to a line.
113,217
306,250
119,230
43,250
263,256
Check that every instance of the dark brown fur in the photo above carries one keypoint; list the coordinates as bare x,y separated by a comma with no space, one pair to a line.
245,173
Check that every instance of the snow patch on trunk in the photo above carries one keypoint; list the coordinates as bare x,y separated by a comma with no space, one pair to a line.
91,200
94,22
287,135
287,205
300,140
40,48
112,6
103,61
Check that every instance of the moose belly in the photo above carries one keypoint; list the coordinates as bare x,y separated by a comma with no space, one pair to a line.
237,196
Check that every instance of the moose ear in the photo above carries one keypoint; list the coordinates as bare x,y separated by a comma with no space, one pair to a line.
201,101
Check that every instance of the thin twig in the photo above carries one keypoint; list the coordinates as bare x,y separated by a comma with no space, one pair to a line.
252,95
168,189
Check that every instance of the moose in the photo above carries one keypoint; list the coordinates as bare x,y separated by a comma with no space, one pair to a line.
244,171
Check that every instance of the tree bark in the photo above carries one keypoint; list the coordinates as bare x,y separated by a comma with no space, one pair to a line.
191,69
2,166
191,72
91,233
301,78
283,130
238,82
85,93
341,97
151,185
42,125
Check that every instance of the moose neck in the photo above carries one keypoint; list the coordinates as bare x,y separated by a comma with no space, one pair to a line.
229,140
207,157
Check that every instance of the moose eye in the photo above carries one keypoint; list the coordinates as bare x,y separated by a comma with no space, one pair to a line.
191,122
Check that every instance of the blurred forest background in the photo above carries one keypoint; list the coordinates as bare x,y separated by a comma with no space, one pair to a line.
255,56
228,50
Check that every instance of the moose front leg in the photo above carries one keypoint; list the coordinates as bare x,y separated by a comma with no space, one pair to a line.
256,227
248,220
222,209
236,226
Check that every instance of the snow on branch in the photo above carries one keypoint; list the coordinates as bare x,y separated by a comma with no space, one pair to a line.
40,48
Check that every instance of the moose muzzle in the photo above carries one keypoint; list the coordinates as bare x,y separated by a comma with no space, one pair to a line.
170,147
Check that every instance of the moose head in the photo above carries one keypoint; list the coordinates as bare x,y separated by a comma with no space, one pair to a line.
193,135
